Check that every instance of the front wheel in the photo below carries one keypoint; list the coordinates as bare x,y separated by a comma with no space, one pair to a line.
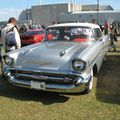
89,85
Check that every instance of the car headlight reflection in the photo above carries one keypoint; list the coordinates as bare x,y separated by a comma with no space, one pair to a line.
78,65
8,60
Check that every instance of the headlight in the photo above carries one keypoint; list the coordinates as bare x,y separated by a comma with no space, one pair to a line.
8,60
78,65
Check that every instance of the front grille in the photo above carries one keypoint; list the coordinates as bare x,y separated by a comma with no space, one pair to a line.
48,78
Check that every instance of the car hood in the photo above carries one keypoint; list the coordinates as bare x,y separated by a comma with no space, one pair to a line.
50,55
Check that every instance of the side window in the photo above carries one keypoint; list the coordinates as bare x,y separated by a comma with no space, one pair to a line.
92,36
97,33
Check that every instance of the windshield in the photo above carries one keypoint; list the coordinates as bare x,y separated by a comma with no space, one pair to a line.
77,34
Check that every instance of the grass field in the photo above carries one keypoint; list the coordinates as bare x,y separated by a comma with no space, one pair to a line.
103,103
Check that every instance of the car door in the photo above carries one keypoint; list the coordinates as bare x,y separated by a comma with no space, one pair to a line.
104,38
101,45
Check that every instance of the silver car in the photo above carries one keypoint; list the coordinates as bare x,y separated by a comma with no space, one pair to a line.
65,61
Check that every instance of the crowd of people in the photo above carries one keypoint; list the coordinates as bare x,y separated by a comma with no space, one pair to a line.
23,28
114,31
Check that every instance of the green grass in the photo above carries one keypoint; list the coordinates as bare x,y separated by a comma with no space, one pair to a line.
102,103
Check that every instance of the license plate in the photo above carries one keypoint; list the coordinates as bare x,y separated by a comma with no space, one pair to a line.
38,85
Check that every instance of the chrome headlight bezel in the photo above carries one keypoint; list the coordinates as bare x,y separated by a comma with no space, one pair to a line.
8,60
78,65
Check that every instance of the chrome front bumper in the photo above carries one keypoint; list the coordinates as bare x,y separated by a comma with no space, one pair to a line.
78,85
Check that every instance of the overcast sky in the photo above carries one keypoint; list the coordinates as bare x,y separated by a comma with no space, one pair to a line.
10,8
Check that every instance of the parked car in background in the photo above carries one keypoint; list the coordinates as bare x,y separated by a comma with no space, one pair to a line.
65,61
32,36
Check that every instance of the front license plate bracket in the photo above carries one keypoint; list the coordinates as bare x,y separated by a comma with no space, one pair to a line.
38,85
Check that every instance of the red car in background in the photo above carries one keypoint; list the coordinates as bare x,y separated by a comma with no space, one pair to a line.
32,36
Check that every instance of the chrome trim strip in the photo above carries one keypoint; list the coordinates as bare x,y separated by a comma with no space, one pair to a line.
39,71
43,77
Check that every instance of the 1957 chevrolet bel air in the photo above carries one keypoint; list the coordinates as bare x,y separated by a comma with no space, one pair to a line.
64,61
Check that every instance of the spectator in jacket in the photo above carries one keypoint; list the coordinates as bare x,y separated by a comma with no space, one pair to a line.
113,39
11,25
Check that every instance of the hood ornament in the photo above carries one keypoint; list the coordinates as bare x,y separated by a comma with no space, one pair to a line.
26,52
62,53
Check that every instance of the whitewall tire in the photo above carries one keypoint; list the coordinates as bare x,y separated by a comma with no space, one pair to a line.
89,85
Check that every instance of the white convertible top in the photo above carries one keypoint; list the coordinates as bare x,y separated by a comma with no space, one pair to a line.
90,25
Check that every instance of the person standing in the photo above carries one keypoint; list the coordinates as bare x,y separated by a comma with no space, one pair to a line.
106,27
11,26
113,39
